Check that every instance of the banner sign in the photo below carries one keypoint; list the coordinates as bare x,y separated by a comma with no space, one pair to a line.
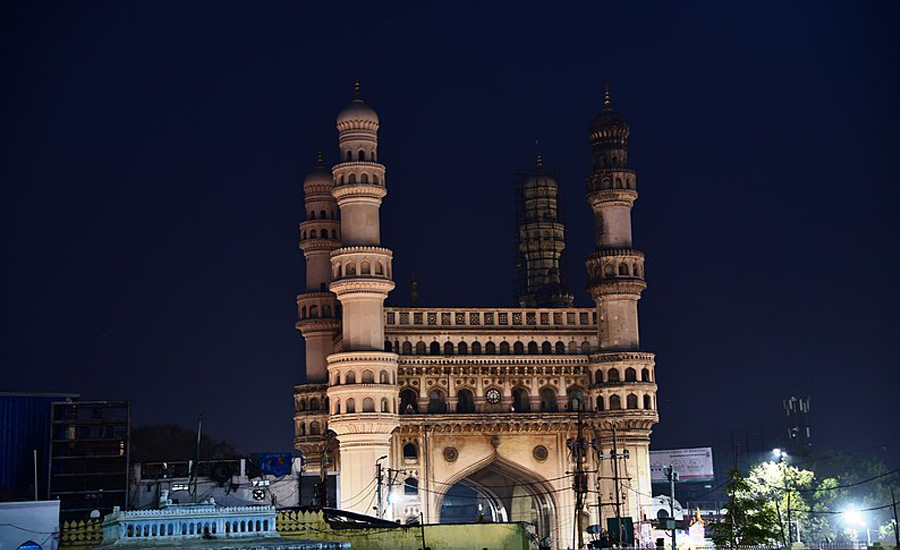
276,464
691,464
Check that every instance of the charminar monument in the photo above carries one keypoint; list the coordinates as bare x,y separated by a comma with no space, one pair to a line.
474,414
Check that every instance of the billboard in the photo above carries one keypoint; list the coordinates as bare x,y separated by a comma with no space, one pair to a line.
691,464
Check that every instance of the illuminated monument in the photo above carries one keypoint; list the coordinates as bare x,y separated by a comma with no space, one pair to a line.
473,408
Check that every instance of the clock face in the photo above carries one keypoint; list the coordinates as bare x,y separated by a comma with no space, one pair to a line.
492,396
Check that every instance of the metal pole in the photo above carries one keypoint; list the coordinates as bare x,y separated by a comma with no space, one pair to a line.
35,476
579,475
784,479
196,464
379,479
615,458
422,525
896,526
300,483
672,504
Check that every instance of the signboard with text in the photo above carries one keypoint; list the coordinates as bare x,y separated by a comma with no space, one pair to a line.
691,464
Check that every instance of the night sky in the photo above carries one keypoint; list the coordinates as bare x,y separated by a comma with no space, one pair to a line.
153,153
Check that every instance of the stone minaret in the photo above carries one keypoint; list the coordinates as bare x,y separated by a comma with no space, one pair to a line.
623,377
362,388
541,242
318,314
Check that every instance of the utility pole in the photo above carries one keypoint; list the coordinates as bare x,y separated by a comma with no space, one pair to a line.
380,480
196,464
35,476
300,481
320,493
578,446
896,526
615,458
672,476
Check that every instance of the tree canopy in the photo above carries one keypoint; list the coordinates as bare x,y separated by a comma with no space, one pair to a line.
170,443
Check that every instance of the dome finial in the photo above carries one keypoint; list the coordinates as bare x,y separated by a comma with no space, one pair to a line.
320,162
607,99
539,161
356,88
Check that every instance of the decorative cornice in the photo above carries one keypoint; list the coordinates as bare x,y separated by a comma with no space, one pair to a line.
310,245
365,284
643,357
629,287
362,251
363,424
358,357
310,388
493,360
612,197
312,325
317,297
513,423
614,253
350,191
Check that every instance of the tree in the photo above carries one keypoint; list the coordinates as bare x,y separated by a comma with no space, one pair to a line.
750,519
170,443
787,488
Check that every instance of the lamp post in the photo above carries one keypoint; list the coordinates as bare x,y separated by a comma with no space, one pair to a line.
855,518
379,478
782,456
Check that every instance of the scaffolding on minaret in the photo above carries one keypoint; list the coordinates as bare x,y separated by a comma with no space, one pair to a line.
541,240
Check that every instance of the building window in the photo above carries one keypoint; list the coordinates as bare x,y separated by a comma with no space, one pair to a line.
410,451
409,402
521,401
436,402
465,402
411,486
548,400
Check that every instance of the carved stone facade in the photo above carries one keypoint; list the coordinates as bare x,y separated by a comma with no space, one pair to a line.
475,405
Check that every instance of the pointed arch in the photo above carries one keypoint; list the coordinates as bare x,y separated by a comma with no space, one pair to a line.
532,483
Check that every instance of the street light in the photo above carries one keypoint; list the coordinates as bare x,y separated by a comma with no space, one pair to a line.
855,518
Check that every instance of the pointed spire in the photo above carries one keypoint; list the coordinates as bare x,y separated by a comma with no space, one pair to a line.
356,88
607,99
320,162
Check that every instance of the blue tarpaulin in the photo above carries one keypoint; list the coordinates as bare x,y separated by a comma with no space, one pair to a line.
276,464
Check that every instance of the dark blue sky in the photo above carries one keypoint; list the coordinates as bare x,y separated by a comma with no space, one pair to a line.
152,156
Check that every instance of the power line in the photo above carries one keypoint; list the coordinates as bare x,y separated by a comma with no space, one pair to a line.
873,478
499,486
873,509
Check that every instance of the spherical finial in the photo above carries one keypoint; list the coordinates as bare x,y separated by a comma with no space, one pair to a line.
539,161
320,162
607,100
356,94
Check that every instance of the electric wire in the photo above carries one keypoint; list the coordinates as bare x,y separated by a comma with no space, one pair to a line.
500,486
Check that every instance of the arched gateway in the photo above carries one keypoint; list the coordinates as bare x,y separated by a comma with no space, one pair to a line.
497,491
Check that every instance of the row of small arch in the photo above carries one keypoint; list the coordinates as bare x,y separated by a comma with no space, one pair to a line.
623,270
323,216
521,401
205,528
367,377
613,375
615,183
360,156
489,348
364,267
323,234
313,312
363,178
